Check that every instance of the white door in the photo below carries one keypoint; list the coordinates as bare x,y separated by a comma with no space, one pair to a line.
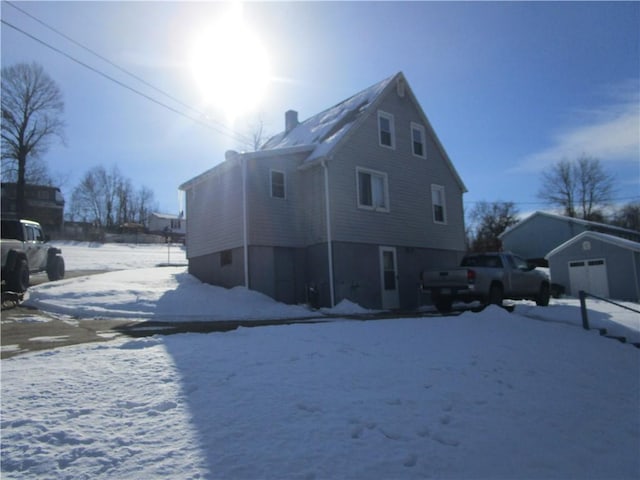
590,276
389,278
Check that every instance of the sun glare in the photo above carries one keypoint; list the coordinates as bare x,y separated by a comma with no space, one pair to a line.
230,65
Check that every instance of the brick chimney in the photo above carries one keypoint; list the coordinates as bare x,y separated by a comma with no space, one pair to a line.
290,120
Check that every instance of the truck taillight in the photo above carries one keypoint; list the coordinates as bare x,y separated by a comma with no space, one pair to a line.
471,276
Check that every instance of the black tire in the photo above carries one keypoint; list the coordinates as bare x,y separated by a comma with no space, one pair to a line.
543,297
18,280
496,294
443,304
55,268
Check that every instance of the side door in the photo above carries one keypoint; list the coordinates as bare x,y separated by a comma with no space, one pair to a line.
523,281
35,248
389,278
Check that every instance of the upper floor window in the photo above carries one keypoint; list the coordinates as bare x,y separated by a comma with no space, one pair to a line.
278,189
373,190
417,140
438,202
386,129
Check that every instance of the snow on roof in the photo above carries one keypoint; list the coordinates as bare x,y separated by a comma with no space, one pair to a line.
611,239
325,129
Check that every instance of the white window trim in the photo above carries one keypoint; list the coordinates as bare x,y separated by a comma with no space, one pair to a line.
420,128
392,127
439,188
385,179
284,180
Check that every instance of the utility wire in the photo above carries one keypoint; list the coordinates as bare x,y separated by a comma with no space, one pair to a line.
233,135
115,65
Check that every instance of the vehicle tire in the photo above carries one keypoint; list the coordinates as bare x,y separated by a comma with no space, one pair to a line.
496,294
55,268
19,278
543,297
443,304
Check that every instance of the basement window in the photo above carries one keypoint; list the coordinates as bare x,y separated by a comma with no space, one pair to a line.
226,257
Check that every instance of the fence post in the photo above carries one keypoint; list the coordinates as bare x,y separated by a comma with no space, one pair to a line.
583,309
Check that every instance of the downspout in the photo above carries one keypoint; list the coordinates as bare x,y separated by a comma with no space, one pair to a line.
245,242
328,220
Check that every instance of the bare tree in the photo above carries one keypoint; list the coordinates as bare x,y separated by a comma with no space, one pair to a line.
580,187
32,106
107,199
628,216
487,222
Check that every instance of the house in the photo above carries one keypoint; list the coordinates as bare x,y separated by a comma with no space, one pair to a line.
535,236
174,226
352,203
601,264
44,204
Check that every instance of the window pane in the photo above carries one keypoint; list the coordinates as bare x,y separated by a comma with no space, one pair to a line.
438,213
277,184
364,182
377,187
418,142
384,124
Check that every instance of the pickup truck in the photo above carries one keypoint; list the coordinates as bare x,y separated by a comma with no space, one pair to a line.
24,251
489,278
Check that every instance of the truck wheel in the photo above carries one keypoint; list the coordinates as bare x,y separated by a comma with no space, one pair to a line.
443,304
543,297
55,268
496,295
19,278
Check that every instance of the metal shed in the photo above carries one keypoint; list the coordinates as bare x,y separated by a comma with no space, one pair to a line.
599,264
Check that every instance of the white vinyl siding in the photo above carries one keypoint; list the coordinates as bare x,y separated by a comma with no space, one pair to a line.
418,147
439,204
386,130
373,190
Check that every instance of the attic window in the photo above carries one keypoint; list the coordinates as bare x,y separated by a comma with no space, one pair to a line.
386,129
417,140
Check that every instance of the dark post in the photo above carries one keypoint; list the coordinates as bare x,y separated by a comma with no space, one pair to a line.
583,309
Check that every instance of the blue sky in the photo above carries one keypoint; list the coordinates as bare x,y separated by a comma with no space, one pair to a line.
509,88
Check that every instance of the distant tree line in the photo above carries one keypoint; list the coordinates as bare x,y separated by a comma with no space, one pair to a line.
580,189
108,200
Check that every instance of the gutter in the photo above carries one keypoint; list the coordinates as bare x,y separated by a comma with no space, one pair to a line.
327,205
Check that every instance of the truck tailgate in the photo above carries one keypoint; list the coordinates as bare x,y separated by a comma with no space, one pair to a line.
456,277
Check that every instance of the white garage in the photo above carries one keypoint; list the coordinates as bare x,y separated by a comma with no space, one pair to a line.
599,264
590,276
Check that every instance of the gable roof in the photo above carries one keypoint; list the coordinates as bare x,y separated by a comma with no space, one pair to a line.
325,129
324,132
611,239
577,221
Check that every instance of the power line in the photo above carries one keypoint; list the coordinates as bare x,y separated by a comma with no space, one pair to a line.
233,135
115,65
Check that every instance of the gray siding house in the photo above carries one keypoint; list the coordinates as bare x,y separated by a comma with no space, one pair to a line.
535,236
351,203
600,264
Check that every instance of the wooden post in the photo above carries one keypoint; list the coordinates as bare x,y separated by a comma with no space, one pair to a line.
583,309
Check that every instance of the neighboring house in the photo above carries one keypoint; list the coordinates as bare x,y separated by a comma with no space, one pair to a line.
600,264
535,236
44,204
352,203
174,226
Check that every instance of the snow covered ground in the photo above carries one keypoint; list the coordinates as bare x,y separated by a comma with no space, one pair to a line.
527,394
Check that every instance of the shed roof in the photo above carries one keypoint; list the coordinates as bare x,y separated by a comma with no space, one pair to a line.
611,239
586,223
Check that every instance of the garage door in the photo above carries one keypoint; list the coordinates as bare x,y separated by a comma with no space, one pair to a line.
590,276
